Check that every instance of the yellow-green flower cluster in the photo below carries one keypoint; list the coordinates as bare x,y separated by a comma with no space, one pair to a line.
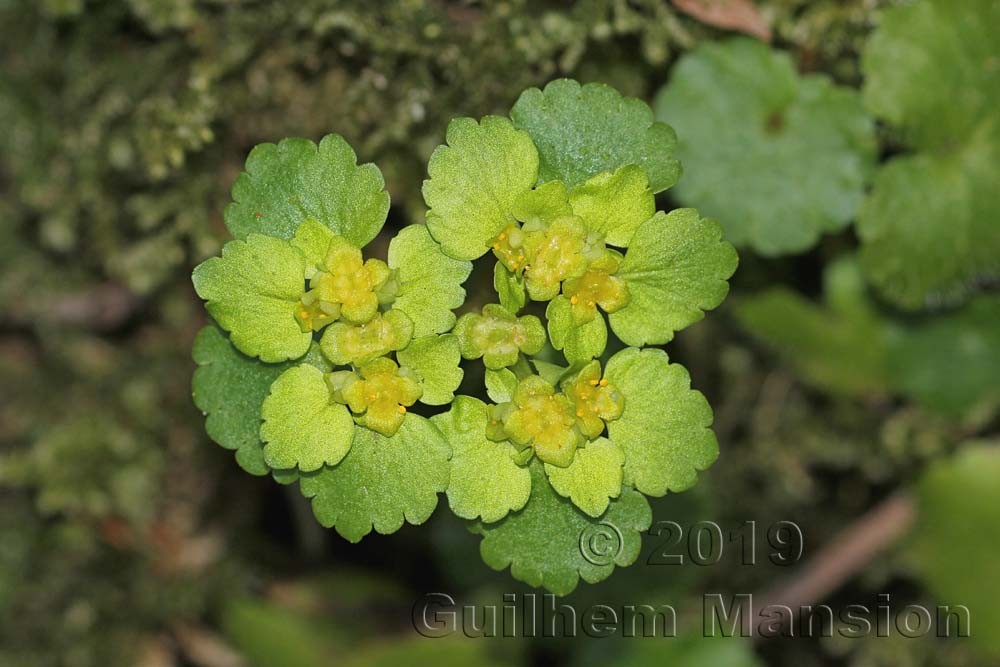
551,423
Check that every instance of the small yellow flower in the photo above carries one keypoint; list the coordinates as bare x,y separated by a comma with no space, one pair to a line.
381,395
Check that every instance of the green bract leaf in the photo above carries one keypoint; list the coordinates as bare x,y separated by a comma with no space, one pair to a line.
552,544
552,373
929,227
382,482
229,388
931,68
578,342
474,181
665,427
777,158
954,537
429,282
313,240
509,287
291,182
302,426
435,361
500,384
676,267
253,292
485,481
593,478
613,205
546,202
581,131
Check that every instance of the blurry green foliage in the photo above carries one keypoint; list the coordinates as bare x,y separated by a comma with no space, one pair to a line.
953,546
928,229
949,362
841,346
692,650
777,158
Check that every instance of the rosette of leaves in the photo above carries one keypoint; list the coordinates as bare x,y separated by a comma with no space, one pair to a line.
928,229
318,352
562,196
778,158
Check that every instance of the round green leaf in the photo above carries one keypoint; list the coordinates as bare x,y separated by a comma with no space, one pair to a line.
581,131
474,181
931,68
430,282
485,483
665,427
776,158
302,427
929,232
593,478
253,291
435,360
382,482
229,388
552,544
676,268
928,228
291,182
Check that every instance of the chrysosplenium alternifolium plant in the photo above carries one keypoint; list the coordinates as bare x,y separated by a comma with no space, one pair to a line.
320,350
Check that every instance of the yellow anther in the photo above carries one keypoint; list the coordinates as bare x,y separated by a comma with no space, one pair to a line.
496,246
502,236
573,300
402,409
579,413
604,382
592,383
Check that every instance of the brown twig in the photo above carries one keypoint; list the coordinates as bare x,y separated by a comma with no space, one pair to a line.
846,555
101,308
